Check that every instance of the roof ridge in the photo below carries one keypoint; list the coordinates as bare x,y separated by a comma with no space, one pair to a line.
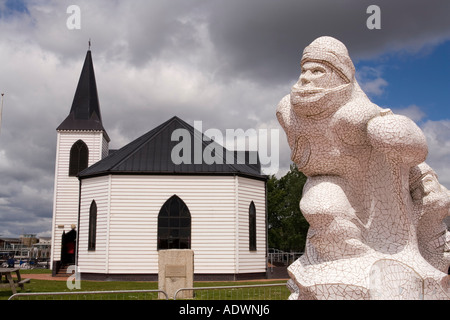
118,152
224,159
151,152
234,152
144,139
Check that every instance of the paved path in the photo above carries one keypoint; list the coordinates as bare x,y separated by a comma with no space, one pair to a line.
44,276
48,276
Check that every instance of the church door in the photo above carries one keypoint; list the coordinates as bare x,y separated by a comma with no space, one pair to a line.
68,246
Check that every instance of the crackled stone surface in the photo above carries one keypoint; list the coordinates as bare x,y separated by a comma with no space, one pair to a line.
375,208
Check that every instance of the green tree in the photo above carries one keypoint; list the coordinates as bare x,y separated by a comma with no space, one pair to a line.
287,225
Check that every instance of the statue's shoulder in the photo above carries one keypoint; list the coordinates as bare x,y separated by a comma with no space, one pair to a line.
350,121
284,110
284,106
397,136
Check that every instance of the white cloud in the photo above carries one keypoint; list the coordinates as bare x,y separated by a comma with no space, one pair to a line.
370,81
438,139
413,112
437,134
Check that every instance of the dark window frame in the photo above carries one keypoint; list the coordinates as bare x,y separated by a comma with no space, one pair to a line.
92,233
252,226
174,225
79,158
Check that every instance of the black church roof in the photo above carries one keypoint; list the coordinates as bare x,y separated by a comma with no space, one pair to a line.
85,111
152,154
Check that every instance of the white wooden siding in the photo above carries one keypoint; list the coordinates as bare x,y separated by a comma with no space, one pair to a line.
94,189
134,204
65,205
252,190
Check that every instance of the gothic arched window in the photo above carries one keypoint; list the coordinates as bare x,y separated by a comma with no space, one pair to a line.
79,156
174,225
252,226
92,235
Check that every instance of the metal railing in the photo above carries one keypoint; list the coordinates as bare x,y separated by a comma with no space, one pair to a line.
273,291
87,295
283,257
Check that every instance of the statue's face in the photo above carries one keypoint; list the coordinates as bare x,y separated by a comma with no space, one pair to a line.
317,77
317,81
314,75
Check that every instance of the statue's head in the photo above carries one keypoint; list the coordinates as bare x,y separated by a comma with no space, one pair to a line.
327,78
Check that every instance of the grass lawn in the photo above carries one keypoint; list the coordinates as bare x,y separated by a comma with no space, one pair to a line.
34,286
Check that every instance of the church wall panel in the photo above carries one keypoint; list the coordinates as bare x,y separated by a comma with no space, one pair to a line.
135,205
252,190
96,260
66,188
130,247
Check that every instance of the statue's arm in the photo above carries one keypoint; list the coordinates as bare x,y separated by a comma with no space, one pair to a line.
398,137
287,120
284,112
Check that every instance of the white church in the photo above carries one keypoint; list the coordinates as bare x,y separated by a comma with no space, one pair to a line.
114,209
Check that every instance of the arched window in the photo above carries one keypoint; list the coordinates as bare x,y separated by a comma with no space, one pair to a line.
174,225
252,226
92,226
79,155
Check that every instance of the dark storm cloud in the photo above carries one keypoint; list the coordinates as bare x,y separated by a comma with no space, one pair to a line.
158,27
260,40
264,39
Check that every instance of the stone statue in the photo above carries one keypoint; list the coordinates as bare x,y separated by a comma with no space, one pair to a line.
374,207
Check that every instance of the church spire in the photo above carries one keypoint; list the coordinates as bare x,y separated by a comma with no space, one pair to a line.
85,111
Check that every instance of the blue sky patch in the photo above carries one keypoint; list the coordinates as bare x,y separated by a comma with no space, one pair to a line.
416,79
12,7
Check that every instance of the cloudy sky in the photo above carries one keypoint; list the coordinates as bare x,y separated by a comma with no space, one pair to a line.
227,63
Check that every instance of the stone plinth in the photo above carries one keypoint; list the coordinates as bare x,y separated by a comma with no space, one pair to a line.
176,270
